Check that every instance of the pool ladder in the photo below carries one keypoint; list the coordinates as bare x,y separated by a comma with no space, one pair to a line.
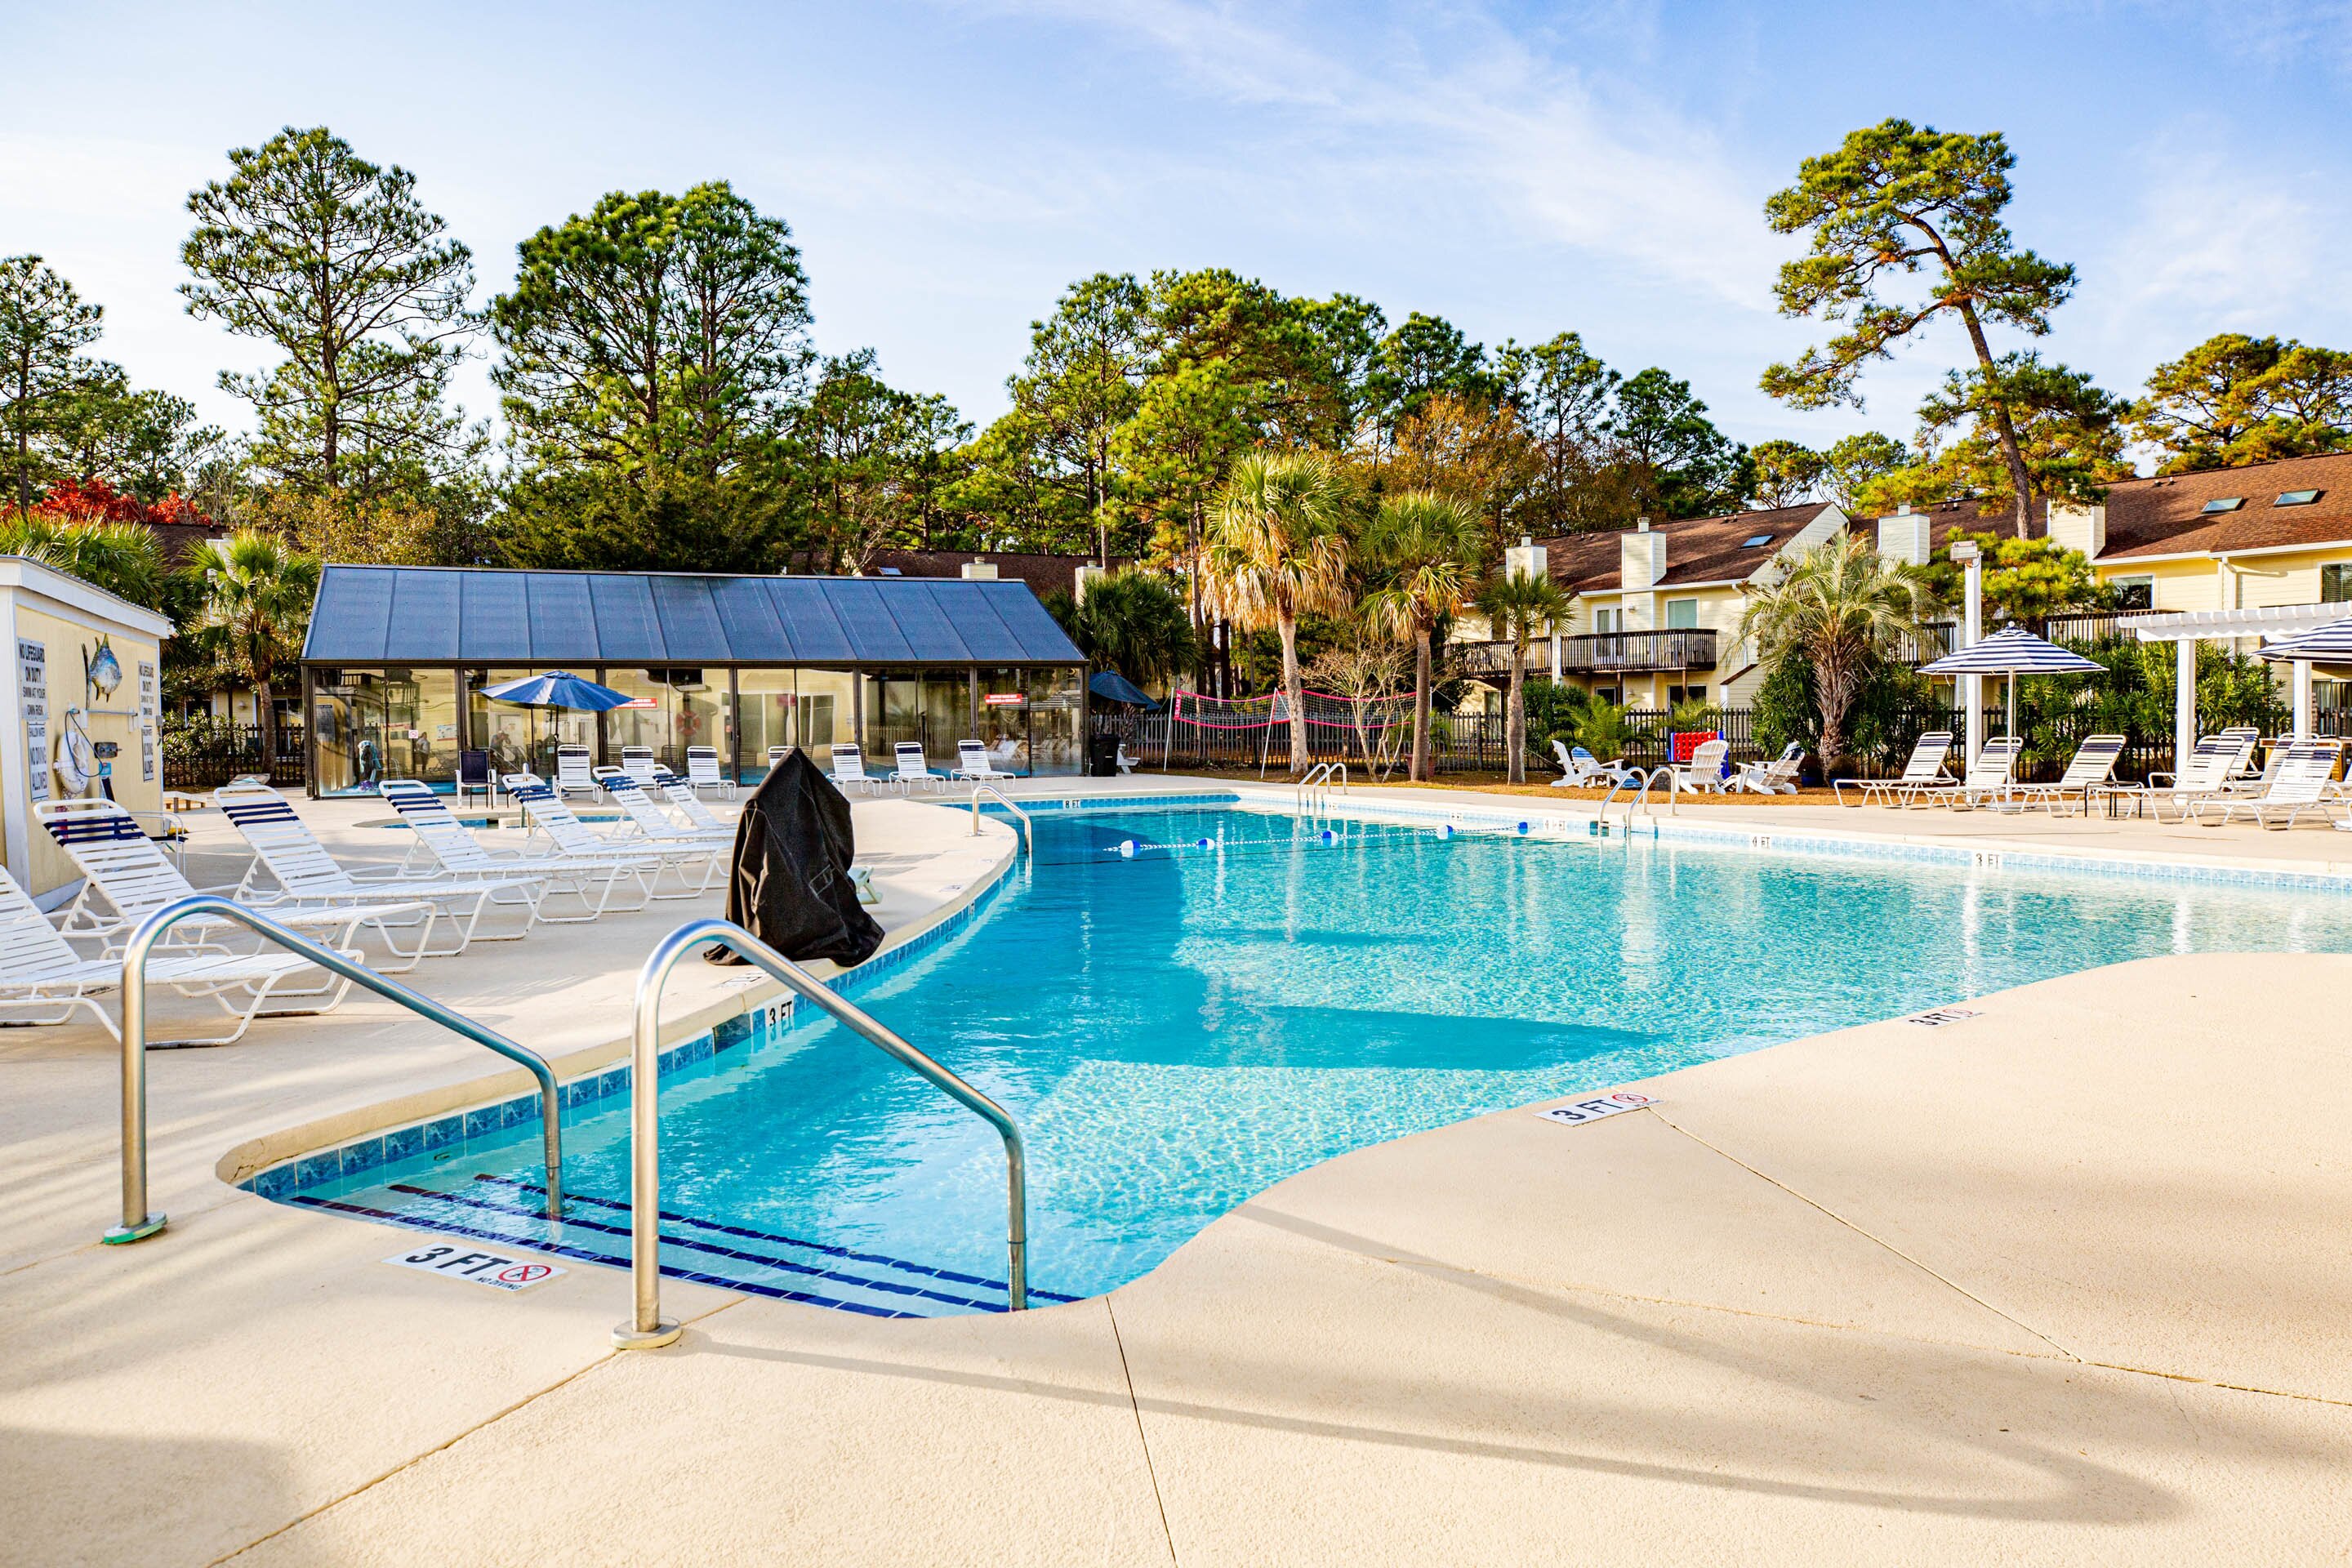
1311,795
1027,830
1640,801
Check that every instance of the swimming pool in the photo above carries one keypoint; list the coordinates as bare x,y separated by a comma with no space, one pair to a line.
1180,1027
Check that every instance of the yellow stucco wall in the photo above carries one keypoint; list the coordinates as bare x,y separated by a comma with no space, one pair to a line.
112,718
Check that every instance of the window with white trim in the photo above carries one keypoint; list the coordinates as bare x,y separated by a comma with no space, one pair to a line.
1682,615
2335,583
2134,593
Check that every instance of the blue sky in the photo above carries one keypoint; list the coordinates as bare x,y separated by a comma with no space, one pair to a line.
1519,169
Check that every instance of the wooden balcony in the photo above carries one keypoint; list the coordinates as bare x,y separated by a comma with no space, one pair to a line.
1595,653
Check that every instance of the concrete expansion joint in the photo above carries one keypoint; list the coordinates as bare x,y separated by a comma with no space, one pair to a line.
420,1457
1142,1439
1875,1240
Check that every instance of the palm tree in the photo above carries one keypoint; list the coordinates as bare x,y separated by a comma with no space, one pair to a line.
1842,607
1517,605
1134,622
1276,550
124,558
258,591
1427,546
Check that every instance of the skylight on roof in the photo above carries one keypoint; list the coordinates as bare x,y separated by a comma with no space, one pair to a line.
1755,541
2224,503
2297,498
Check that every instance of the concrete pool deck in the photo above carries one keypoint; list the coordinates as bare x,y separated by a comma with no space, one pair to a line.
2065,1280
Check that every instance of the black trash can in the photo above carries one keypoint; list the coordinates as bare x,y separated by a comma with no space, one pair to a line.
1102,756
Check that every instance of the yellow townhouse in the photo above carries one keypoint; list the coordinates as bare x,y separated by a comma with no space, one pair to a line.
2229,538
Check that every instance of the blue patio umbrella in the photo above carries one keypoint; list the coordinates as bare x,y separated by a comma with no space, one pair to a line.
1113,687
556,688
2012,651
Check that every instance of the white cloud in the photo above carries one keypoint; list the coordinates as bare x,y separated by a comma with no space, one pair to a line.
2218,243
1430,109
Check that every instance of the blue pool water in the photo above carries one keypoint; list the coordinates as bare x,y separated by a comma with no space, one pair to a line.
1178,1029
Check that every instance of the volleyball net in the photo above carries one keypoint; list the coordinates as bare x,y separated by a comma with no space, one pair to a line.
1204,730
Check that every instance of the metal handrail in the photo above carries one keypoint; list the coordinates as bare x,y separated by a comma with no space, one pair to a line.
1028,829
647,1327
1312,792
137,1222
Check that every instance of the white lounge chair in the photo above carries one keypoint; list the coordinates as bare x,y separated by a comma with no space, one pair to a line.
973,762
572,772
638,761
2093,765
1986,779
849,770
1125,763
41,974
550,814
688,804
701,773
2207,777
287,854
441,839
2302,784
1924,771
1580,770
1779,776
647,819
1704,772
776,754
915,768
125,870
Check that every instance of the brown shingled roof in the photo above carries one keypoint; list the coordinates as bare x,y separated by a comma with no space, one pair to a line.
1699,549
2167,516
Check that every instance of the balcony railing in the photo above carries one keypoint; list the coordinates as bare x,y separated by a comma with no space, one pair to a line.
1595,653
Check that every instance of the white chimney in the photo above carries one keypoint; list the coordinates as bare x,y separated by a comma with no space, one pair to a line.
980,571
1906,536
1526,558
1086,575
1641,558
2079,528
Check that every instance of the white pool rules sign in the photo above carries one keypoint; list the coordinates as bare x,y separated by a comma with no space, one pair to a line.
1596,1108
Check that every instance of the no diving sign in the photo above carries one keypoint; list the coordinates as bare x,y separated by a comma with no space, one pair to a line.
1594,1109
496,1270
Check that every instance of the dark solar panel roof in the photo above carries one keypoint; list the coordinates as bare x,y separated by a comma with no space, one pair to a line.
427,614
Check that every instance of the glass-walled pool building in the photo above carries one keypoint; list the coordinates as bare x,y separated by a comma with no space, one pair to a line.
398,657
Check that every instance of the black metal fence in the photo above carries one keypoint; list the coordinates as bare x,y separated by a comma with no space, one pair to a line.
205,754
1473,743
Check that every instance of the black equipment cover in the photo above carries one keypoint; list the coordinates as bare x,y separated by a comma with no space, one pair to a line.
791,884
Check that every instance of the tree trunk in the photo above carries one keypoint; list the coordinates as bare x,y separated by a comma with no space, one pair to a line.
1419,771
2011,455
1294,691
1831,701
1514,727
262,717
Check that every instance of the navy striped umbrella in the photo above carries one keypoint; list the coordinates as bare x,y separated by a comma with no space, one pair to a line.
2012,651
2330,644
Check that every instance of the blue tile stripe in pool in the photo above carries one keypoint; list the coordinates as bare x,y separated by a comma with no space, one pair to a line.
281,1182
1767,840
413,1221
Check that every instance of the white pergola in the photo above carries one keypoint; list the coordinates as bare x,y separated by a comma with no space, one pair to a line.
2186,629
